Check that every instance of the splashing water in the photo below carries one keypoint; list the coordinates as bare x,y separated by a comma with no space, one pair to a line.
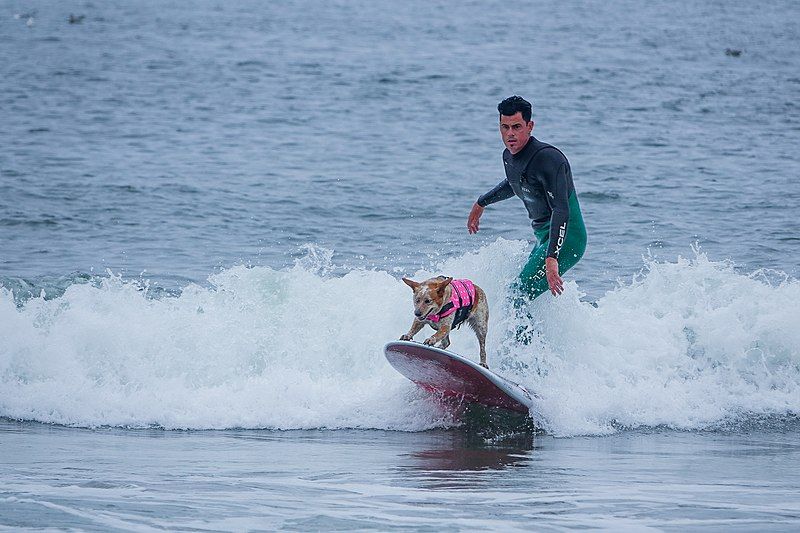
688,344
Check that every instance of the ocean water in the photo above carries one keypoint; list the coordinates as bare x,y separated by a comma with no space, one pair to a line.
205,211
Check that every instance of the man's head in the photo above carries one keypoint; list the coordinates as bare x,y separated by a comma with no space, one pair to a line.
516,124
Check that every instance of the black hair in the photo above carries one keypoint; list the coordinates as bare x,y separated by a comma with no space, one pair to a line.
516,104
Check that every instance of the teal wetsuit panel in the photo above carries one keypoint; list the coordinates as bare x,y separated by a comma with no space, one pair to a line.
533,280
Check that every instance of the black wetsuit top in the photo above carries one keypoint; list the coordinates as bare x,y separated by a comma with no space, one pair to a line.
540,175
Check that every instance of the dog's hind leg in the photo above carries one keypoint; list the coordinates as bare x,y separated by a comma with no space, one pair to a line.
482,343
480,324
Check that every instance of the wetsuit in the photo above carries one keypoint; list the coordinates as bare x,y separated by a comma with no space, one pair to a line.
540,176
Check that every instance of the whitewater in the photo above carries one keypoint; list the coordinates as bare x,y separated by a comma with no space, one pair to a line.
691,344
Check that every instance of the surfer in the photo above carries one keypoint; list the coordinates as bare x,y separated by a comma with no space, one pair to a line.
539,174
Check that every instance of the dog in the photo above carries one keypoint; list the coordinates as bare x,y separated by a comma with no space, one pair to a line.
444,303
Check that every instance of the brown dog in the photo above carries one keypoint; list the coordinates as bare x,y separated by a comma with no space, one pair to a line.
444,303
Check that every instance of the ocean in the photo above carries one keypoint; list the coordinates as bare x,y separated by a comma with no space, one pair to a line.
206,210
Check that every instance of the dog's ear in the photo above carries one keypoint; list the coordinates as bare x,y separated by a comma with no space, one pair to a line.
442,284
411,283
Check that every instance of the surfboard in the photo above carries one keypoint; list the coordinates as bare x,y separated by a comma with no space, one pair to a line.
456,377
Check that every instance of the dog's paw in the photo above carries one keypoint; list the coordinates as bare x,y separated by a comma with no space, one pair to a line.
405,337
430,341
484,365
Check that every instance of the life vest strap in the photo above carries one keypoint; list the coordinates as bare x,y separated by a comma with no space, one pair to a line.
461,300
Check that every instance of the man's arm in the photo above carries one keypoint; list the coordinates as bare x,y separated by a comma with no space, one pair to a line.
554,179
501,191
555,185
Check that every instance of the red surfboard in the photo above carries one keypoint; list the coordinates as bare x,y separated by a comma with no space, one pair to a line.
456,377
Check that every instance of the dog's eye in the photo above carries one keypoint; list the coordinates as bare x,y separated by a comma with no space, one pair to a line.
427,300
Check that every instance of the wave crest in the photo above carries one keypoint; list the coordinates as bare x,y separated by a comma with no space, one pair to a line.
687,344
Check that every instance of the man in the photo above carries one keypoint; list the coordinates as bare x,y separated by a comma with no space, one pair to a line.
540,176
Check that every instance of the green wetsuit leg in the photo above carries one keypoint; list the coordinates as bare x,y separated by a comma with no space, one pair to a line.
533,279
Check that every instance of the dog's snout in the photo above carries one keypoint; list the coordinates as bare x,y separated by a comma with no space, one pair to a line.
417,313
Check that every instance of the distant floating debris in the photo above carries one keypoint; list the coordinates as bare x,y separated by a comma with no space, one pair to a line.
29,16
732,52
76,19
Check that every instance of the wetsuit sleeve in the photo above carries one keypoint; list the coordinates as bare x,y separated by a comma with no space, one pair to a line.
554,178
501,191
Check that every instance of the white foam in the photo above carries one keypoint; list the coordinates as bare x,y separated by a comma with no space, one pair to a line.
687,344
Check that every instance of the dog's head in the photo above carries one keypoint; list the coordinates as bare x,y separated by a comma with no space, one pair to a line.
429,295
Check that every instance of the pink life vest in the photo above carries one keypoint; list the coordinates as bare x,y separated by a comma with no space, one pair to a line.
461,300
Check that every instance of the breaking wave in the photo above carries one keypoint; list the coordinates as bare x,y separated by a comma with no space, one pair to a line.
689,344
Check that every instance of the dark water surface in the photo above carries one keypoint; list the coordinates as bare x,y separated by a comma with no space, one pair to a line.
153,136
343,480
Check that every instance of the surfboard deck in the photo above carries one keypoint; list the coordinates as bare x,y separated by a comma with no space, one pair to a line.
456,377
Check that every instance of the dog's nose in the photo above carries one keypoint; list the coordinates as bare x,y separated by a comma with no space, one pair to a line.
417,313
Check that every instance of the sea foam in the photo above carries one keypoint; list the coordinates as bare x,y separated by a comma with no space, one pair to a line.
687,344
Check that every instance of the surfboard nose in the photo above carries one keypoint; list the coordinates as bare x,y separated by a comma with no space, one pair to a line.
454,376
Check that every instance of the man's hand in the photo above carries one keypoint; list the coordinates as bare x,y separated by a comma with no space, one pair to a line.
553,279
474,218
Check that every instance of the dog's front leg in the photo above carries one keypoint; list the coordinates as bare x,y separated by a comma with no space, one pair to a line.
416,325
441,333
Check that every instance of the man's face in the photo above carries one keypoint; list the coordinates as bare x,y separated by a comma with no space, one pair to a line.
515,132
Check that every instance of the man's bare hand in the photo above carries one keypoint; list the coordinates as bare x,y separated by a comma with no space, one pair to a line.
474,218
553,279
